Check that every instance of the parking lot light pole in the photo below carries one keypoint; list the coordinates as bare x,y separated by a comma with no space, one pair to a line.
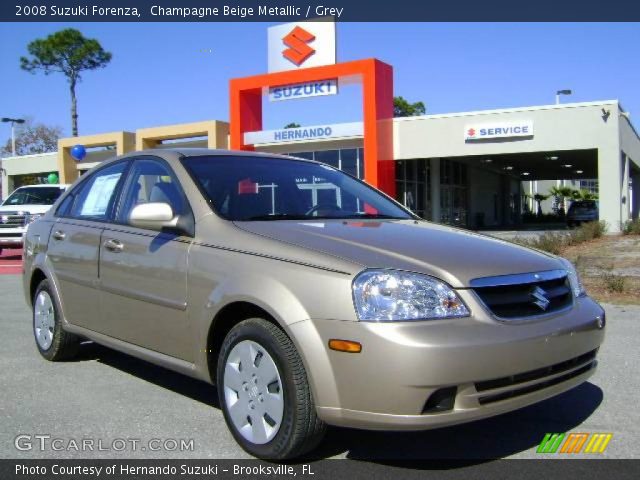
13,131
562,92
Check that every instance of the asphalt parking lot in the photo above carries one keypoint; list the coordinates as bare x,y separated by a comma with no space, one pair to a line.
10,261
105,395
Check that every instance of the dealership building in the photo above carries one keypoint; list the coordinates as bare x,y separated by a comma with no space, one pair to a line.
474,169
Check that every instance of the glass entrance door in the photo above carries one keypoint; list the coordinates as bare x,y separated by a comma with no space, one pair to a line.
412,181
453,193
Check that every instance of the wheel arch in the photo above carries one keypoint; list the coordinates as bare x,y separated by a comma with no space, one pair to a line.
37,276
223,321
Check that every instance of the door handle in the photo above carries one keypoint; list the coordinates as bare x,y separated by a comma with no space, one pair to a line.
59,235
113,245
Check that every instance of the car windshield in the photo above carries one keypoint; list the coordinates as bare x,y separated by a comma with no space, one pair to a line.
33,196
246,188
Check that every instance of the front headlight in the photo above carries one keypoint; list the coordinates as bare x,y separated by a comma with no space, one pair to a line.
386,295
574,278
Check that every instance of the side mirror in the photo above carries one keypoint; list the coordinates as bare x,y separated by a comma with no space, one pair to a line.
153,216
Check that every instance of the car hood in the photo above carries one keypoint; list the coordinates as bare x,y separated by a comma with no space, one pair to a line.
453,255
22,209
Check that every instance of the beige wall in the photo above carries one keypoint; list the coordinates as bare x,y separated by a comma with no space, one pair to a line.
68,166
217,134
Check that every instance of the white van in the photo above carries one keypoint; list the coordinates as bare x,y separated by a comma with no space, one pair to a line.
22,207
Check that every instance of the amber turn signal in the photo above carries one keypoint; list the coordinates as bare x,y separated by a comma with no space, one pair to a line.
345,346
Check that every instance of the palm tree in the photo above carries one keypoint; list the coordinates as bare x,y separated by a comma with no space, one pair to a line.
560,194
583,194
539,198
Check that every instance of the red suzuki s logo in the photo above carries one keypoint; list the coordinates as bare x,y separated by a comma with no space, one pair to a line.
298,51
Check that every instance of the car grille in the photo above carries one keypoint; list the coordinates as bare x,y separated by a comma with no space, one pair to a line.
548,376
522,296
12,219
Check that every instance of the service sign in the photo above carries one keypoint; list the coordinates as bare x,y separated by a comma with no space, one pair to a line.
305,134
301,45
489,131
303,90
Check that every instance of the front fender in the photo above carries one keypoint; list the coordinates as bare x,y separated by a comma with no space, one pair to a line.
260,290
35,256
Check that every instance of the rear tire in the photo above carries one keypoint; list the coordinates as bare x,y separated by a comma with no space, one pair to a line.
52,341
264,392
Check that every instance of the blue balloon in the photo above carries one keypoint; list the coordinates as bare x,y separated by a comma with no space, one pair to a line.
78,152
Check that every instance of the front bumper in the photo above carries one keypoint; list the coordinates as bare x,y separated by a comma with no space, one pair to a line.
16,240
482,366
12,236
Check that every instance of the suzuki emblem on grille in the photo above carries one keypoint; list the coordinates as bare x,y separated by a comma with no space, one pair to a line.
540,298
4,219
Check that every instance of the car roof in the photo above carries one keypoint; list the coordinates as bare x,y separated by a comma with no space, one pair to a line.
43,185
173,154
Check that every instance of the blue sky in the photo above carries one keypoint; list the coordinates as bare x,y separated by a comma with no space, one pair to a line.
163,73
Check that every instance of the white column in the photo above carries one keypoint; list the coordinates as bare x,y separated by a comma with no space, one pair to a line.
434,167
5,186
531,202
610,186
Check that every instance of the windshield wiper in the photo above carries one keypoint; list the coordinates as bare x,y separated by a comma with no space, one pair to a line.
277,216
375,215
294,216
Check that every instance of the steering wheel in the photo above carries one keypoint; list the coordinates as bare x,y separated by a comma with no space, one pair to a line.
331,207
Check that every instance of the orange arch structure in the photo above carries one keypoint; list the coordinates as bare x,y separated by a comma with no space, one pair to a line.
377,105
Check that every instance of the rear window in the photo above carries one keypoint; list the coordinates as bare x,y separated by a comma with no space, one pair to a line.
584,204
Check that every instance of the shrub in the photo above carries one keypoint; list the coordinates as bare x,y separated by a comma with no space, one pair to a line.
586,232
556,242
632,227
613,283
548,241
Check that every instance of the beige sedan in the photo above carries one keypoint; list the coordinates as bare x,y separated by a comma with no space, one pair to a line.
308,297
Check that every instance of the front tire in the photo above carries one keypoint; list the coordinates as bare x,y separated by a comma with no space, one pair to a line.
264,392
52,341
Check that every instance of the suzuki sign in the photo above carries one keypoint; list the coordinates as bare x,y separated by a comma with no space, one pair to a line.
301,45
488,131
303,90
